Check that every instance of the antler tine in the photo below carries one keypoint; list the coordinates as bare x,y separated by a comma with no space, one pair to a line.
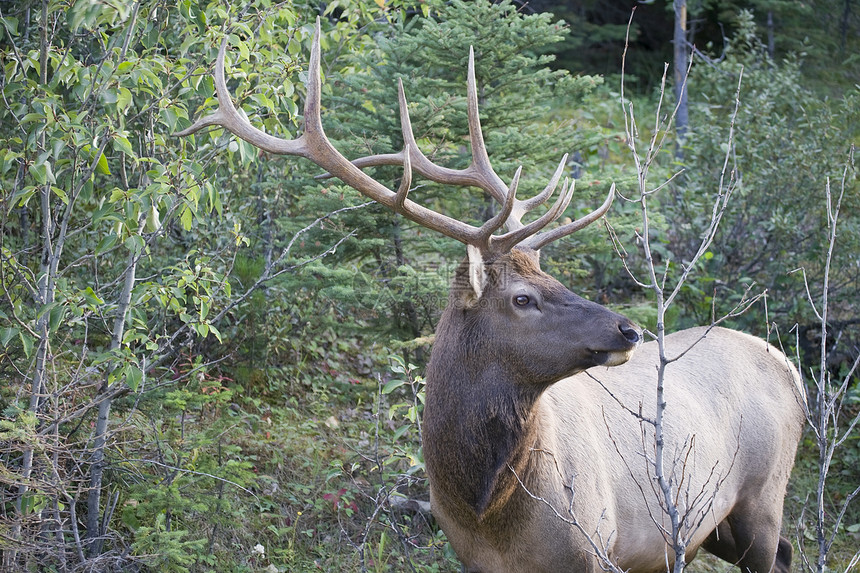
479,173
405,181
503,216
480,158
421,163
529,204
520,236
526,205
228,117
539,240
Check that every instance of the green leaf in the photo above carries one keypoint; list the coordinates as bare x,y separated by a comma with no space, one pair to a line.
216,332
105,244
106,210
40,117
116,194
185,218
7,333
214,198
109,96
33,503
147,77
153,220
11,24
392,385
86,190
55,317
26,343
9,159
204,310
45,309
201,21
102,165
134,244
168,117
91,297
61,194
122,144
39,173
22,196
398,433
123,99
133,376
243,50
49,173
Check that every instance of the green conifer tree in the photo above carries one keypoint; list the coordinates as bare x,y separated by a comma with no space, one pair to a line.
517,92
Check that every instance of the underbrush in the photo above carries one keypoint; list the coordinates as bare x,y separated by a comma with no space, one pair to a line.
333,485
800,511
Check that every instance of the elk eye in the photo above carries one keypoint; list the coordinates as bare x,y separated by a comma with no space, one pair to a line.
521,300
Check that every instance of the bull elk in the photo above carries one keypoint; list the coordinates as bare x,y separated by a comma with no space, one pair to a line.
536,452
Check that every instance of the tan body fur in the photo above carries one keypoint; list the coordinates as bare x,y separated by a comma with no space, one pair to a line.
733,420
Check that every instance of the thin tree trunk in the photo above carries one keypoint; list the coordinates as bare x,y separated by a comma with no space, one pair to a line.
55,513
24,219
46,296
94,523
681,66
843,27
771,41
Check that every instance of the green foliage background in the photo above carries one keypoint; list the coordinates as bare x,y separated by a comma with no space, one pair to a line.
208,355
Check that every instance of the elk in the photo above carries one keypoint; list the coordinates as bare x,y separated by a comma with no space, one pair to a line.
534,441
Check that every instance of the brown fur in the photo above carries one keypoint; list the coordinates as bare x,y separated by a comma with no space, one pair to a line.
509,401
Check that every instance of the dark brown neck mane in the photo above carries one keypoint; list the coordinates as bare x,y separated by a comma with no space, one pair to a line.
477,434
478,421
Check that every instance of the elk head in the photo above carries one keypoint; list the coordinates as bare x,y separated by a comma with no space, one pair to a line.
539,328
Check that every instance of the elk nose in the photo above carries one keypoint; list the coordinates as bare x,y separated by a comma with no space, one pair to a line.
631,333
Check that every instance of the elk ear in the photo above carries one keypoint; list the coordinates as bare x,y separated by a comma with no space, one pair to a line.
477,270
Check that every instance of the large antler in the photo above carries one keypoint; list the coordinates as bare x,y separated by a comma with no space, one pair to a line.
314,145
